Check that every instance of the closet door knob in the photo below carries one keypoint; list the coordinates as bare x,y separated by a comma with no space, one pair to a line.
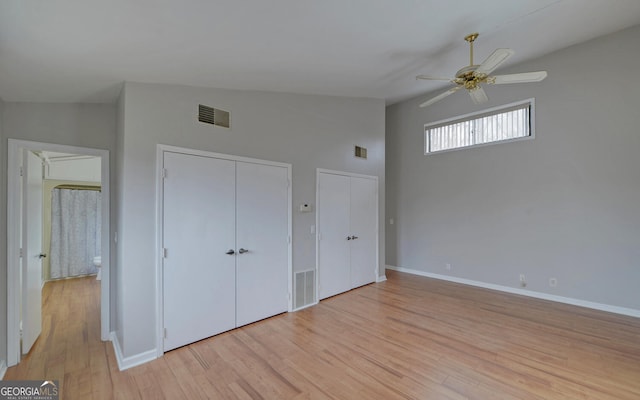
42,255
348,237
354,237
242,251
230,252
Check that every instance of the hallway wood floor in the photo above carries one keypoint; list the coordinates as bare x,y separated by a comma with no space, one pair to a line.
407,338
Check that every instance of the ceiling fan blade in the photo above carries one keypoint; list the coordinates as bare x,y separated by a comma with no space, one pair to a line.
494,61
431,78
440,96
478,95
524,77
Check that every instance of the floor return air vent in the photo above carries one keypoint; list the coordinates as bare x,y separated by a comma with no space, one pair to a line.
304,288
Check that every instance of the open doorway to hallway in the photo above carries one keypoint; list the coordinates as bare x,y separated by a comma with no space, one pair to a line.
60,172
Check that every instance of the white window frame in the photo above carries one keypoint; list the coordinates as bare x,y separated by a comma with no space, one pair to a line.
479,114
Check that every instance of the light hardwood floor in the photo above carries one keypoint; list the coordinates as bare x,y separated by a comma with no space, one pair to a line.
407,338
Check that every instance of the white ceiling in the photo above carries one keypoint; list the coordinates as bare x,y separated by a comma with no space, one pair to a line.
82,50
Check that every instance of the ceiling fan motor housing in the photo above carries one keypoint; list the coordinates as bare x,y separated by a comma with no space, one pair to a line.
468,78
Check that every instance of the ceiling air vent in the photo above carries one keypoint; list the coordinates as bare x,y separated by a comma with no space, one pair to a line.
361,152
213,116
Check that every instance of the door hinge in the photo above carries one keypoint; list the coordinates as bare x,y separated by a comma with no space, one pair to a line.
165,333
164,252
289,239
164,173
21,253
319,236
21,171
288,183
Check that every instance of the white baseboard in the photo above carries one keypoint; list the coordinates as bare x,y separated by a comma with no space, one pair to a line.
131,361
544,296
315,303
3,369
381,278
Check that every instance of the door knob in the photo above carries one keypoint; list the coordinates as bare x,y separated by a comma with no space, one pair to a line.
42,255
230,252
348,237
354,237
242,251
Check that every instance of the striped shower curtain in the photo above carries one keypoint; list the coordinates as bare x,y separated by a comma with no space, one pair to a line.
75,232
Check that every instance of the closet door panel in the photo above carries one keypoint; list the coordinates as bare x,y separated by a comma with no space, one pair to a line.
262,230
199,225
364,226
333,228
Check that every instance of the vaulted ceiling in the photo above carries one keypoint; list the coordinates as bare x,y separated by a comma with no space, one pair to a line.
81,51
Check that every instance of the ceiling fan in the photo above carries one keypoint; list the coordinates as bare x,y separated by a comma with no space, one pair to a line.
471,76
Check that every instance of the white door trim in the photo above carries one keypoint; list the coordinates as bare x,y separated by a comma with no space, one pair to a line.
13,237
350,174
160,149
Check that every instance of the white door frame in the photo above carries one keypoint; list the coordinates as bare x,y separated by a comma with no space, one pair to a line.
349,174
13,238
160,149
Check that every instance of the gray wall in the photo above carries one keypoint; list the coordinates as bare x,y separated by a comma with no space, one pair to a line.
307,131
84,125
3,240
563,205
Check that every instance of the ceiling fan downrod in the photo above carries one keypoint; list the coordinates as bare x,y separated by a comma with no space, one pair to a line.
470,38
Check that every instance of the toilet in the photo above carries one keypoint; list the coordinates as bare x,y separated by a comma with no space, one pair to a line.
97,261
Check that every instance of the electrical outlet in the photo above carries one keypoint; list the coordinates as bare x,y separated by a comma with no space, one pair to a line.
523,282
447,266
553,282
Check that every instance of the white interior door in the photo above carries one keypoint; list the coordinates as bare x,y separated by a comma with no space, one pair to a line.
32,250
262,234
198,233
334,235
364,227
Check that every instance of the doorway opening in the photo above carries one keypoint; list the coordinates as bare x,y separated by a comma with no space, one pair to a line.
25,276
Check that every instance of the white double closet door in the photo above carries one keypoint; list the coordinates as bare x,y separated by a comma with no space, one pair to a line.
347,232
226,243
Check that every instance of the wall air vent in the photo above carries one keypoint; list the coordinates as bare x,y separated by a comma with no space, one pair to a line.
213,116
361,152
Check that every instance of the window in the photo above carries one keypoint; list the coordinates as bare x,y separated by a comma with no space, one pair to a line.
506,123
